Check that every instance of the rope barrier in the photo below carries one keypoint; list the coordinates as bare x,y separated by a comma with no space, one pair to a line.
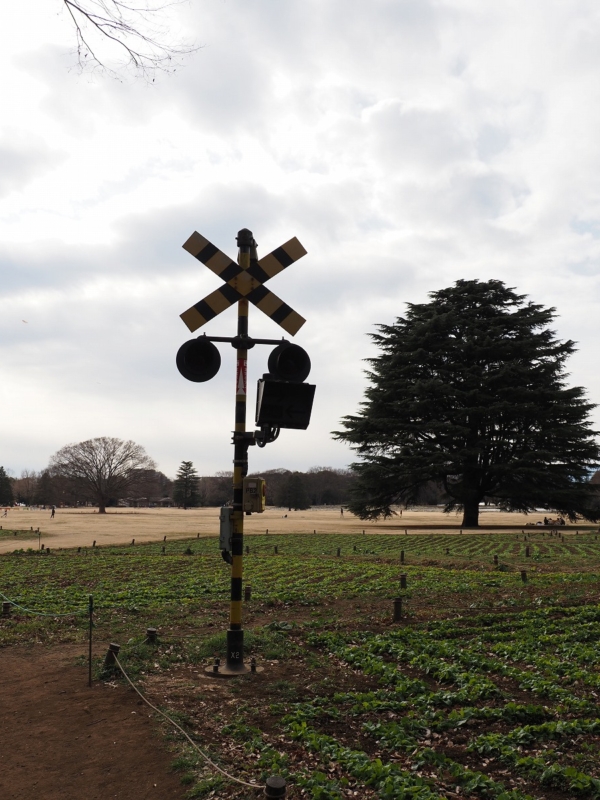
179,728
42,613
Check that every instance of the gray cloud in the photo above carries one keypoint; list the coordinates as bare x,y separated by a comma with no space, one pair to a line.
23,156
405,144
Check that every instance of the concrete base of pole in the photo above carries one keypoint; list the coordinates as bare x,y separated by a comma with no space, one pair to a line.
234,664
224,671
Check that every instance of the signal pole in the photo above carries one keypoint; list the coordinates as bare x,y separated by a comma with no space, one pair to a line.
235,634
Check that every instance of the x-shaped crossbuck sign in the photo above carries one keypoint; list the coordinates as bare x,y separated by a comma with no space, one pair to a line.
243,283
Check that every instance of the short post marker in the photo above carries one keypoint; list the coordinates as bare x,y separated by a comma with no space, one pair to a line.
275,787
6,609
91,613
524,575
163,550
247,592
275,549
109,659
94,543
403,581
339,551
151,636
397,609
133,541
527,552
164,538
402,556
216,664
495,561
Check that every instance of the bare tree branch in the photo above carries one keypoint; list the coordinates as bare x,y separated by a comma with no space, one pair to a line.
133,36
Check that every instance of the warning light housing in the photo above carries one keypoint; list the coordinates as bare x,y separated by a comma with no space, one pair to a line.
198,360
289,362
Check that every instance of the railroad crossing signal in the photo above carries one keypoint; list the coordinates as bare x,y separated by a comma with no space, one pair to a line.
243,283
284,400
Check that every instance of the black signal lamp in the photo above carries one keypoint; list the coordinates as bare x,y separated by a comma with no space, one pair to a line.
289,362
198,360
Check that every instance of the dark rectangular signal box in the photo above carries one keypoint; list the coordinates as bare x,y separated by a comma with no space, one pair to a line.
282,404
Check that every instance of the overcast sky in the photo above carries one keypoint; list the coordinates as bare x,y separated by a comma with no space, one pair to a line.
406,143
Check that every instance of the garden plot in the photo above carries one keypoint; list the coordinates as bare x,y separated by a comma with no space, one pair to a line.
486,688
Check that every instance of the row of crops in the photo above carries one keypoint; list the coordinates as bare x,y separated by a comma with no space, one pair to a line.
141,577
549,547
484,707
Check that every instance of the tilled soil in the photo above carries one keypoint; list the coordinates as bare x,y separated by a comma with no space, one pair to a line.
64,741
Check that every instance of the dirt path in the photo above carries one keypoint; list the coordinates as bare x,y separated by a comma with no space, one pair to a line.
64,741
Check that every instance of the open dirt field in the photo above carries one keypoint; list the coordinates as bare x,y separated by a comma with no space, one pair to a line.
73,527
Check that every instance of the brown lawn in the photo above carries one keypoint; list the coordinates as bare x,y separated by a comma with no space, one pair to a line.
80,527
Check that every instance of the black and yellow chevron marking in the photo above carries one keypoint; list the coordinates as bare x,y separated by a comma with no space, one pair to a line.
242,283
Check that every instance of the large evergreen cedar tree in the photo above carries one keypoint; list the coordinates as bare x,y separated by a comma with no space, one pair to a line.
469,391
103,468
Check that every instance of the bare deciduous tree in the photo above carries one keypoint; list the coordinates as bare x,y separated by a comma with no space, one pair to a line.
137,31
24,488
104,468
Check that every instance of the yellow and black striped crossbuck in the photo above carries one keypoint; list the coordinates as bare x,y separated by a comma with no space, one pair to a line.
243,283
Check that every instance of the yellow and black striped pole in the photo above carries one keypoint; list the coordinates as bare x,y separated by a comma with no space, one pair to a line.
235,634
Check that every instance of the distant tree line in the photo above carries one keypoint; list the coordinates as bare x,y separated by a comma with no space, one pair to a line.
108,472
290,489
